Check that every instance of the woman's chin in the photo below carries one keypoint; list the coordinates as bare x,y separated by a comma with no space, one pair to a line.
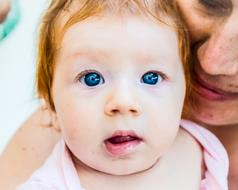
212,117
212,113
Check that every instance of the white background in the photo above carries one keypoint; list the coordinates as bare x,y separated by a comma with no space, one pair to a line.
17,67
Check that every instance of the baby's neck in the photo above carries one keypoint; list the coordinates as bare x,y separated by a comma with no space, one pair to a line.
92,179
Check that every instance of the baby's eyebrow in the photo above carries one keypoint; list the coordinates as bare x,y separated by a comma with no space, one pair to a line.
92,53
97,55
146,57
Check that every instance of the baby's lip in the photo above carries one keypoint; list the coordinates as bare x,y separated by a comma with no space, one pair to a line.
121,139
119,136
122,143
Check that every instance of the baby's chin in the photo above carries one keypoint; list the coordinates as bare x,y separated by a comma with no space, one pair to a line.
124,169
118,166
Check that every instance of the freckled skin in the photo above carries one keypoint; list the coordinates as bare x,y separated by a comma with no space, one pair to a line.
214,34
214,38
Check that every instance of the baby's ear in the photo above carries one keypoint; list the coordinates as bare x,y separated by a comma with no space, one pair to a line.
48,117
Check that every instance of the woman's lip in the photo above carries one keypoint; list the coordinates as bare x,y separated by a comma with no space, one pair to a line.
123,148
212,93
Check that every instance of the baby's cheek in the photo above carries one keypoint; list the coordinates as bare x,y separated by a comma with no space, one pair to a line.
164,129
74,140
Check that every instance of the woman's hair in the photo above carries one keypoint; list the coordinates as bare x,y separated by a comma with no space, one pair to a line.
61,14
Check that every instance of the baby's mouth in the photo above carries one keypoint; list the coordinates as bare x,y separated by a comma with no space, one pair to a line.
121,139
122,143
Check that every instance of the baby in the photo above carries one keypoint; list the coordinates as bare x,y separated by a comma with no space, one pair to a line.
112,74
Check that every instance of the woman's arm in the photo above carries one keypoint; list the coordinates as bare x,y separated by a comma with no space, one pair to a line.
27,150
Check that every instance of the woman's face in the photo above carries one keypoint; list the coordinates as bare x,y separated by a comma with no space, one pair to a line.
213,26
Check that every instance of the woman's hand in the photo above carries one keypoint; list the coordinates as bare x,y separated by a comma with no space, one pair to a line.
4,9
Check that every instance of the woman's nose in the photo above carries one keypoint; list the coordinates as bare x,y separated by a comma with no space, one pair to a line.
122,101
219,55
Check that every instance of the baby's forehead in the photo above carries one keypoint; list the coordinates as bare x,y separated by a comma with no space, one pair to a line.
77,12
108,28
103,25
129,39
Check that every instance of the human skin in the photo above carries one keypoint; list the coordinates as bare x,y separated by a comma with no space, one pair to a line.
214,64
4,9
214,35
121,104
22,164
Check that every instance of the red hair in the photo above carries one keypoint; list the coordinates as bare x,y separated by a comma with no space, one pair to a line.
61,14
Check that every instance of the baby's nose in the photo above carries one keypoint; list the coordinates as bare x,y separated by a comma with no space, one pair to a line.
122,101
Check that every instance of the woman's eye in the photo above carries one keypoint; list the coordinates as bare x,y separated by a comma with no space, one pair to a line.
217,7
151,78
92,79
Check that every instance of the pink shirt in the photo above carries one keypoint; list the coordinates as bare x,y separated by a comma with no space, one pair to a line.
214,154
59,173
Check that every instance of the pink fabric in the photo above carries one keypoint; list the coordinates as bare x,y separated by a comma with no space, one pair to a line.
215,157
59,173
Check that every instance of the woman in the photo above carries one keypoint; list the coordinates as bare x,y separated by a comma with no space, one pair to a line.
214,36
4,9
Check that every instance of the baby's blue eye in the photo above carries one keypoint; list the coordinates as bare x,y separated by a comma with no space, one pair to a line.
92,79
151,78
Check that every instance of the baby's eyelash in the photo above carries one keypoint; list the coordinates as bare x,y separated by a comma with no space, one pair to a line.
153,78
83,73
163,75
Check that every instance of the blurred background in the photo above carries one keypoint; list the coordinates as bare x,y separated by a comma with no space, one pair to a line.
17,68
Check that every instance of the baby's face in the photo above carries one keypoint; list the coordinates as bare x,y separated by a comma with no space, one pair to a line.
118,92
